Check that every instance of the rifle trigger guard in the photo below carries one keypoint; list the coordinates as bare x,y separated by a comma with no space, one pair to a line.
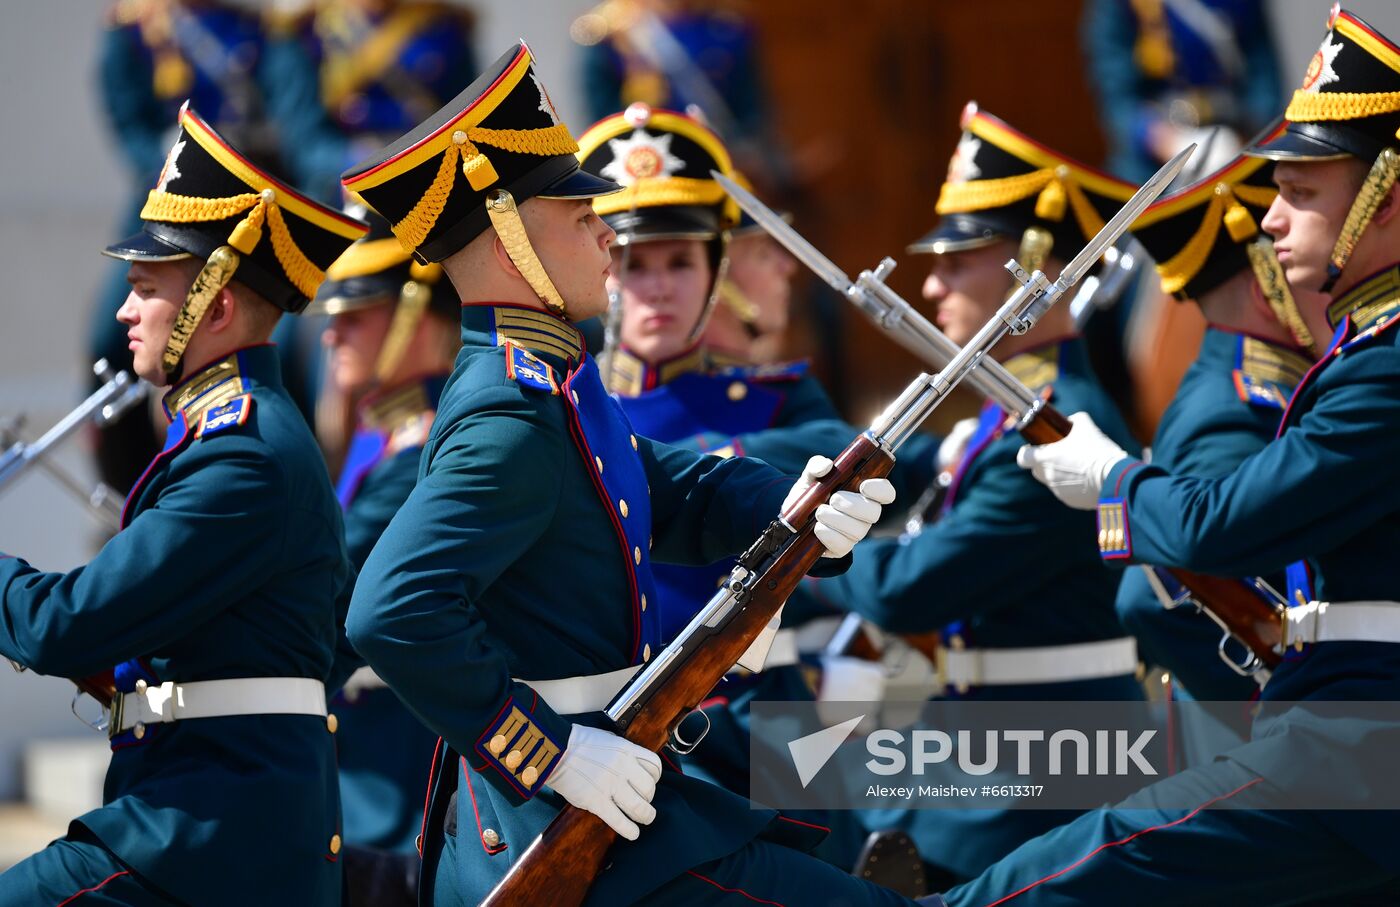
1249,666
681,746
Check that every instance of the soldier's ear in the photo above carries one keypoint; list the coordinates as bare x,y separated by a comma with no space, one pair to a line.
221,311
1388,206
498,249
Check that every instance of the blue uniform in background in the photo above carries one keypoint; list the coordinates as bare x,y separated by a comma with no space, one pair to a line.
1147,61
231,563
384,752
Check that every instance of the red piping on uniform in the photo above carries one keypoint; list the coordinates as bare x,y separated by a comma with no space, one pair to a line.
804,824
428,796
1308,376
581,442
471,792
509,779
739,891
94,888
170,451
1077,863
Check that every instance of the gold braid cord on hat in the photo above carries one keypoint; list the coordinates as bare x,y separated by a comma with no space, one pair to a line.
1052,185
476,167
505,217
1225,207
300,271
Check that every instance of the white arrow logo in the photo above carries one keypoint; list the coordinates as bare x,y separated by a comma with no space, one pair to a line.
812,752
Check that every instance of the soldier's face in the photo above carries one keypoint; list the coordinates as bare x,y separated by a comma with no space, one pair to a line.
158,291
1307,216
572,243
354,340
968,287
763,272
664,290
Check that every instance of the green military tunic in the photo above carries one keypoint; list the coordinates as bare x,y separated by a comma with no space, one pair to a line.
230,563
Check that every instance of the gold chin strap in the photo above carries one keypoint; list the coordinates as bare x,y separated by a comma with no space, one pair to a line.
738,302
212,278
1269,274
721,277
1373,191
1036,243
413,303
505,217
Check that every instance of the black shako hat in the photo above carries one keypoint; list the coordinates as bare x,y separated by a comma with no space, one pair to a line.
501,133
209,196
1002,182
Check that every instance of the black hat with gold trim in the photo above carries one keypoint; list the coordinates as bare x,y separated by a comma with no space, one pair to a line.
662,160
1002,184
497,144
211,203
1204,234
1349,104
377,271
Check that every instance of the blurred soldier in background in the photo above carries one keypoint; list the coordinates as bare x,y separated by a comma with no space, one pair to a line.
377,67
392,338
679,54
1169,71
749,322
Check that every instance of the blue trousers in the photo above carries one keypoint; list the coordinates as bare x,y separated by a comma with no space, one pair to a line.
77,870
1220,853
761,872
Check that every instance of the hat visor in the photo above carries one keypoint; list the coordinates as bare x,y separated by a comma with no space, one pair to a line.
337,304
145,247
954,234
662,223
1294,145
579,184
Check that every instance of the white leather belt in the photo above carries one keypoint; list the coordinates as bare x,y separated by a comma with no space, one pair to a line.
170,701
1342,622
1041,664
586,693
593,692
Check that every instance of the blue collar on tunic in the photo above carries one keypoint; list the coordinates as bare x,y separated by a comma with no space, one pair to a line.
1369,302
632,375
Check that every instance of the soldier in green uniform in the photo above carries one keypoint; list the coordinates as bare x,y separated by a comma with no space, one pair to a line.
391,339
512,594
218,600
1319,495
1209,248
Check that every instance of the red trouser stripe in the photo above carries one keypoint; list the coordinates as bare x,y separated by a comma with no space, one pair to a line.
738,891
109,878
1137,834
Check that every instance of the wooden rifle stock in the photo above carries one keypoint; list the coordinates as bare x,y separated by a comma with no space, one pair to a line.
1237,607
560,865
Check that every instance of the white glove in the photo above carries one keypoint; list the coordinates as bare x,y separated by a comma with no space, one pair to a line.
950,452
846,516
1076,468
610,776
